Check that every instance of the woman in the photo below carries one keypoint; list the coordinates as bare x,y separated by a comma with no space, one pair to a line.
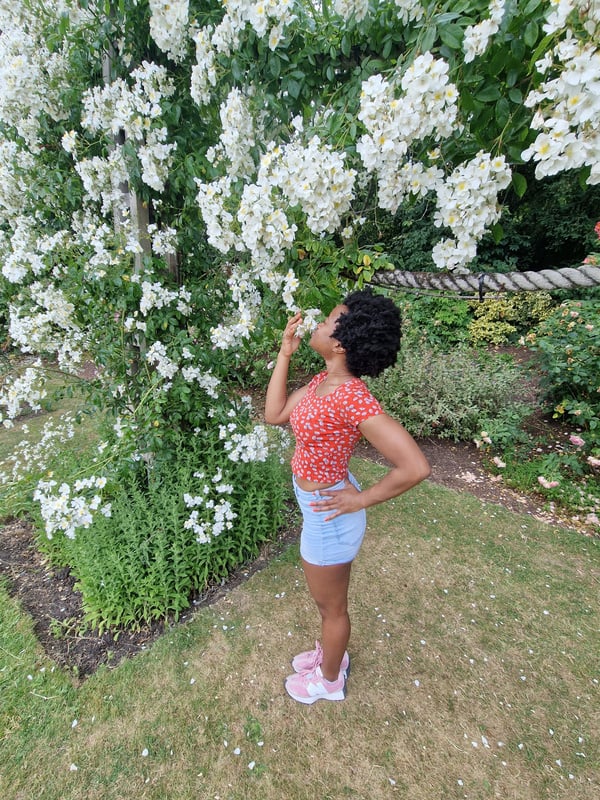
328,417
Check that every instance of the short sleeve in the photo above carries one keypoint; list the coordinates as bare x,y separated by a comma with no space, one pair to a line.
357,404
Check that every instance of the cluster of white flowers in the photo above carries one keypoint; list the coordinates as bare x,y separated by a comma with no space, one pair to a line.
169,26
242,322
14,161
90,231
213,201
477,37
204,73
163,240
20,253
310,177
267,19
155,158
134,324
157,356
22,392
313,177
309,322
30,77
49,326
155,295
559,13
426,107
103,179
69,508
348,8
265,230
253,446
467,203
206,380
135,111
410,10
237,136
29,457
568,113
218,515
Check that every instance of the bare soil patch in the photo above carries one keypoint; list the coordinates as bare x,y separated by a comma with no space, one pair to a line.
49,595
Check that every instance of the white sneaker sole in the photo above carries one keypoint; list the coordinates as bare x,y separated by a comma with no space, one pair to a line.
339,695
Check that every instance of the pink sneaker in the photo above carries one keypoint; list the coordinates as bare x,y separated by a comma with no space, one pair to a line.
311,659
308,687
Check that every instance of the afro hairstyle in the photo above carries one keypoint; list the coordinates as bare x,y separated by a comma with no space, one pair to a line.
369,332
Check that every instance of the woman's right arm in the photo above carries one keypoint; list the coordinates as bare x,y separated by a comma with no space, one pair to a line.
278,406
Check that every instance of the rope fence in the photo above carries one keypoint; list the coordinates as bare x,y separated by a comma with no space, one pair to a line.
585,276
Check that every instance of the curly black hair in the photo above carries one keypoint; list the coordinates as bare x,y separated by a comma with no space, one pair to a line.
369,332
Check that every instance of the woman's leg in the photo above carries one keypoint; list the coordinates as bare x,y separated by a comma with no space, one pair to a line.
329,589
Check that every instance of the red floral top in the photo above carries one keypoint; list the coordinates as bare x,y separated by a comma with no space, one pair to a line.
326,429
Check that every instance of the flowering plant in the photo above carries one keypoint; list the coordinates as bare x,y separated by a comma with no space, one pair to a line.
168,170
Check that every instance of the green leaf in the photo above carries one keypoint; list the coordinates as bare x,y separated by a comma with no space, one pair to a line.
516,96
497,232
583,175
429,38
467,101
346,45
488,94
530,7
502,111
452,36
531,33
519,183
518,49
275,66
293,88
512,76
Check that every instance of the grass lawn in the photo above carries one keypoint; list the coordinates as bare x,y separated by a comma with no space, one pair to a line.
474,674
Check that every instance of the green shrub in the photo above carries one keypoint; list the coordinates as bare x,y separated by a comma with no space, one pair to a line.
504,319
159,545
450,395
568,352
435,320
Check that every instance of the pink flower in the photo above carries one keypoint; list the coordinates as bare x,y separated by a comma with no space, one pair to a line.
498,462
597,229
592,461
576,440
546,483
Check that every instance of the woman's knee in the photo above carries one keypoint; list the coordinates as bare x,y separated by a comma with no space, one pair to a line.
335,610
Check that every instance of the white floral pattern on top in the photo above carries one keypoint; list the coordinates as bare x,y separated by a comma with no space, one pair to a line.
326,428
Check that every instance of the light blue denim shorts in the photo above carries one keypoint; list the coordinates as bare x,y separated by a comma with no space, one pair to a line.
335,542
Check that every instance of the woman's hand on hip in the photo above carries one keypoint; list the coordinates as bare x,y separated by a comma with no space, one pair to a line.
338,501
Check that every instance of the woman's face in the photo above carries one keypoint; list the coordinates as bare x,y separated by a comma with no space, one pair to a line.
321,340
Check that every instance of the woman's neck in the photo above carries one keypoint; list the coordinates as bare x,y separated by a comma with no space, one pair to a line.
337,373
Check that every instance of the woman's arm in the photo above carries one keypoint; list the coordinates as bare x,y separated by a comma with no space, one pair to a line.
396,445
278,406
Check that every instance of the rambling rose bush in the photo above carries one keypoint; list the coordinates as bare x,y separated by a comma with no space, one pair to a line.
168,171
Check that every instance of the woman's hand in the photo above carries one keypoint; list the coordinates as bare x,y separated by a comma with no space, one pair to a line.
290,342
339,501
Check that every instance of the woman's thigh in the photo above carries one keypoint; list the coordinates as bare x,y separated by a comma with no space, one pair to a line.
328,586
